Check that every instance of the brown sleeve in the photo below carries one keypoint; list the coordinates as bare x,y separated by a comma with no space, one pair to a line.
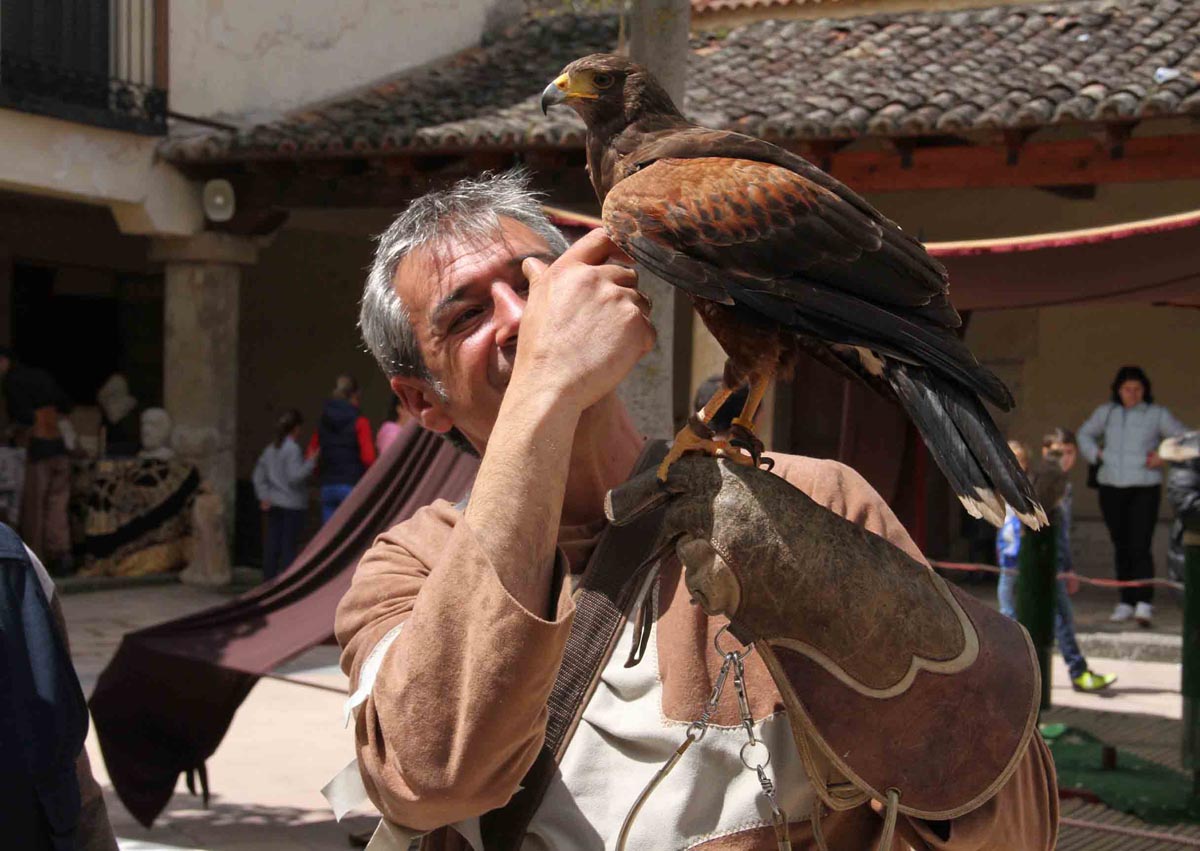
458,709
1022,816
843,491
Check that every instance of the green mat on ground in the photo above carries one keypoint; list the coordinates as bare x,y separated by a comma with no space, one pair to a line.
1152,792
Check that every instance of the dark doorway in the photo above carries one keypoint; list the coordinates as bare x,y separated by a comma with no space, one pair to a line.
82,325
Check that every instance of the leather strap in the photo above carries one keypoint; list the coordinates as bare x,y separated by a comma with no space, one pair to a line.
603,596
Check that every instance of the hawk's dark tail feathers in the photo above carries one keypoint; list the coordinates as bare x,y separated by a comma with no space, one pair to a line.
966,445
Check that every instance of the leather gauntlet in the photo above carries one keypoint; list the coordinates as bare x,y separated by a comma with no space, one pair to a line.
897,684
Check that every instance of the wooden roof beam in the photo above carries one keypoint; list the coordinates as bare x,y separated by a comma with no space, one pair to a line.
1058,163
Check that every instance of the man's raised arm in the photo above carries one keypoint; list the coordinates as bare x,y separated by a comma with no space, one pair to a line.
456,712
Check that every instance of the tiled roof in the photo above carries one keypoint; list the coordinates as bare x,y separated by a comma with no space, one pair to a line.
908,74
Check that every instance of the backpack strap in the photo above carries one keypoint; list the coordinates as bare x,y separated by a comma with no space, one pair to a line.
604,594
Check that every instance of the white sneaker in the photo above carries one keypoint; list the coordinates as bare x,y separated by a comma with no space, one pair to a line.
1143,614
1122,612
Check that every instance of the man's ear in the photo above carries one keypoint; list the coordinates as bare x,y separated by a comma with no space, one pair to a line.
419,400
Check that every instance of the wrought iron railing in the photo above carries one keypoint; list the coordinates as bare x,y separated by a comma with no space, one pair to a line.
94,61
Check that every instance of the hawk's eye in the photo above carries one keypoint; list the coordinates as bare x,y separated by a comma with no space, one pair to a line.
602,81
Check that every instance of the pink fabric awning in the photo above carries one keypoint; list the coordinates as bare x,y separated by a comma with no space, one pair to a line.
1153,261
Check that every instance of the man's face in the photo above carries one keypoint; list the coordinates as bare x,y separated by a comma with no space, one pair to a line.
466,298
1131,392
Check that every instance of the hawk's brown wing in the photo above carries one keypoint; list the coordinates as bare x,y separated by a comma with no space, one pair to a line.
768,238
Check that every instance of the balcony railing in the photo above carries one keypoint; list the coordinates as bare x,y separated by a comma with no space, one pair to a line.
99,62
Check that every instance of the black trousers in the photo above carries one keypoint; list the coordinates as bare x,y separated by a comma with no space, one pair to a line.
284,526
1130,515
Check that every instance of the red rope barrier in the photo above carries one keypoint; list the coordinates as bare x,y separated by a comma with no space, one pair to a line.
1158,836
1085,580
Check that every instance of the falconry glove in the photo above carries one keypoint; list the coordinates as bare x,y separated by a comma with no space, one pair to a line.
899,688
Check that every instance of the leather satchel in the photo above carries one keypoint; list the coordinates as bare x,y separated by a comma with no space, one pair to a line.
898,686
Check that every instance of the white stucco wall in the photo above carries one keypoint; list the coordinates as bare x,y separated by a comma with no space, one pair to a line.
232,57
62,159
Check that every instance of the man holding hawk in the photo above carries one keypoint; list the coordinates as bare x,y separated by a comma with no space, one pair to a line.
496,333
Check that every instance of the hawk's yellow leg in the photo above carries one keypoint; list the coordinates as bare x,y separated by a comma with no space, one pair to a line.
697,437
742,431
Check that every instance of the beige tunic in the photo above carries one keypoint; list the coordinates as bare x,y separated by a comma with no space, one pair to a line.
458,708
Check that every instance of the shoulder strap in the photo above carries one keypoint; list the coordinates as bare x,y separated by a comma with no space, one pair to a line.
599,612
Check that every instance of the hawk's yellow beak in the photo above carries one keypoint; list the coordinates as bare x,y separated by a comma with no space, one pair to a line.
563,89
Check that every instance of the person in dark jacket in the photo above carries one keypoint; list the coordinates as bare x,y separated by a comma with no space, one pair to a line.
35,402
344,438
1122,436
49,800
1182,453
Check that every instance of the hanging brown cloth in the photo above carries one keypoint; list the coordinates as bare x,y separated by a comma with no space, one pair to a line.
164,702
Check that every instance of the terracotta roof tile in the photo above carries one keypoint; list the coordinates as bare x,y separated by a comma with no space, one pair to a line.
886,75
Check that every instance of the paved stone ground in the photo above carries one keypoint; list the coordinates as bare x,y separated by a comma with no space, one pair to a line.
287,740
284,743
1099,637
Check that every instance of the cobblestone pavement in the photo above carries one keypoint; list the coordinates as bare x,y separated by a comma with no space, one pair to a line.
284,744
287,740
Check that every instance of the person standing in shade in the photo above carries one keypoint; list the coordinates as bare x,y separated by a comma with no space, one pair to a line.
1122,436
1182,453
344,439
35,401
49,799
1060,445
280,478
391,426
1008,545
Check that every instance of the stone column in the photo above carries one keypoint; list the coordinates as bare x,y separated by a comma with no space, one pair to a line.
200,369
656,392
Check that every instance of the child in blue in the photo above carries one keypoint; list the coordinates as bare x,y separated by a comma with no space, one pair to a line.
1059,445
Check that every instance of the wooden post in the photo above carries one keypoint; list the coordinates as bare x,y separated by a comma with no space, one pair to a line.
657,392
658,39
1037,573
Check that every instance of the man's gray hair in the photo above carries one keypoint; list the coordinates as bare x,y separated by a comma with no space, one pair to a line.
470,209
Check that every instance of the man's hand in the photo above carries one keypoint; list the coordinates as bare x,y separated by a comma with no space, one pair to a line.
585,324
584,327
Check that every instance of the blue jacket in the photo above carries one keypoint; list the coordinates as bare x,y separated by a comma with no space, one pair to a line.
43,716
1127,436
280,474
1008,539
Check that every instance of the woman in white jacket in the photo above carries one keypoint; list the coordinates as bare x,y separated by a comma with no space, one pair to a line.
280,484
1122,436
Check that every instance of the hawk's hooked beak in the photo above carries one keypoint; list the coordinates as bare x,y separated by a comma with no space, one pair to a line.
563,89
556,92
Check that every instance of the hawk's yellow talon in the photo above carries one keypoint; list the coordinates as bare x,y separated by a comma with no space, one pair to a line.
688,441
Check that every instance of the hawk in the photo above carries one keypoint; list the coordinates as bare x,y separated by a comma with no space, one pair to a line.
780,258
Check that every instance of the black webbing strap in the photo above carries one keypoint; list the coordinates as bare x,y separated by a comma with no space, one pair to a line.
604,592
